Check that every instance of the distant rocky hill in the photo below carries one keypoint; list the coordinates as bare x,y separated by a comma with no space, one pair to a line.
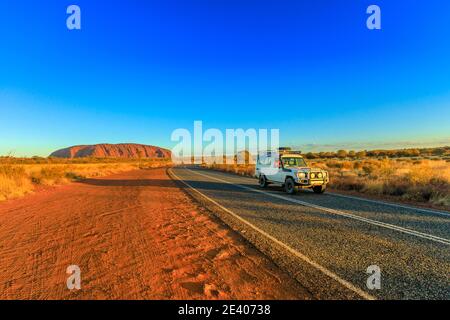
124,150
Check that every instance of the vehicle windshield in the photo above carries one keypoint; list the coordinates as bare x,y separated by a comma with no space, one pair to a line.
291,162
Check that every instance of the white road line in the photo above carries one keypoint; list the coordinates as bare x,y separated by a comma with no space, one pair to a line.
395,205
296,253
337,212
392,204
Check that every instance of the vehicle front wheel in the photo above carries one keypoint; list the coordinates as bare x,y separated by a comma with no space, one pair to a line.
263,181
319,189
289,186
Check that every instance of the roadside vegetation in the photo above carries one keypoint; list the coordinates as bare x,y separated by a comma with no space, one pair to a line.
20,176
420,176
425,181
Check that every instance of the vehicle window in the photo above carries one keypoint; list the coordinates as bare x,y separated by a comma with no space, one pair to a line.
293,162
264,161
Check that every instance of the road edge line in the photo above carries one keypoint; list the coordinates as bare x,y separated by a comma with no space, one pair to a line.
410,232
428,211
296,253
361,198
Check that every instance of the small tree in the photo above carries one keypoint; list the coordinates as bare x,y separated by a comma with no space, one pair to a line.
438,151
310,156
361,154
342,154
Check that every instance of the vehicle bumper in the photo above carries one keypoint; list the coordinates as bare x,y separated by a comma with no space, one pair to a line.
311,183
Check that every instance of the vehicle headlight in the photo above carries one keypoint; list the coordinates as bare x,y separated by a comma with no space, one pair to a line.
301,175
313,175
320,175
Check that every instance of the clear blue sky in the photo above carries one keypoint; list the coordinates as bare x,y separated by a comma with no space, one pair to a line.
140,69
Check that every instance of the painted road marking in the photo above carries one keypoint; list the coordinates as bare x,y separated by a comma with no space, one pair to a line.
296,253
336,212
395,205
391,204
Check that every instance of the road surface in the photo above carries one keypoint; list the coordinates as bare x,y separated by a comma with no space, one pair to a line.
329,241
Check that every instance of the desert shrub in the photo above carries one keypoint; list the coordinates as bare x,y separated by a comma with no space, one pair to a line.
396,187
368,170
372,187
441,200
19,176
49,176
74,176
335,164
12,171
13,182
357,165
349,184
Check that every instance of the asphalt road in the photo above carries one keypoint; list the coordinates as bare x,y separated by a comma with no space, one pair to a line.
327,242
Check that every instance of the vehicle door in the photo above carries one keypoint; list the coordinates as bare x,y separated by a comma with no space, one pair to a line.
285,171
280,175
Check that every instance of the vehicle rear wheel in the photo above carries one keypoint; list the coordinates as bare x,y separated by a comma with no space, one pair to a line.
289,186
319,189
263,181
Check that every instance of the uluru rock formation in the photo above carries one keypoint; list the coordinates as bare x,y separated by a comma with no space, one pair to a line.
123,150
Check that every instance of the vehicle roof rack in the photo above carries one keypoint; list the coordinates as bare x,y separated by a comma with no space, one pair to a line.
286,150
291,152
282,151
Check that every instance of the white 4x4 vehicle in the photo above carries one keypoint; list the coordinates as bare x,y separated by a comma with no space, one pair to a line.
289,169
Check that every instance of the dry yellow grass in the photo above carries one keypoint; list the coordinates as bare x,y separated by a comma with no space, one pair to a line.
20,176
426,181
13,182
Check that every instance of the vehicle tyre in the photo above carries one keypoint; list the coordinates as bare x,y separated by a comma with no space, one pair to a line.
289,186
263,181
319,189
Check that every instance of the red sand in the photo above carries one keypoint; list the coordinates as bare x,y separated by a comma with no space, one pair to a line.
134,236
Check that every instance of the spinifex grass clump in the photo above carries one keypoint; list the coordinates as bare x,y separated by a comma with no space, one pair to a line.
14,182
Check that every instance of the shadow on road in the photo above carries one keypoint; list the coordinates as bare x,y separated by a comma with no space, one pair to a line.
161,183
129,182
